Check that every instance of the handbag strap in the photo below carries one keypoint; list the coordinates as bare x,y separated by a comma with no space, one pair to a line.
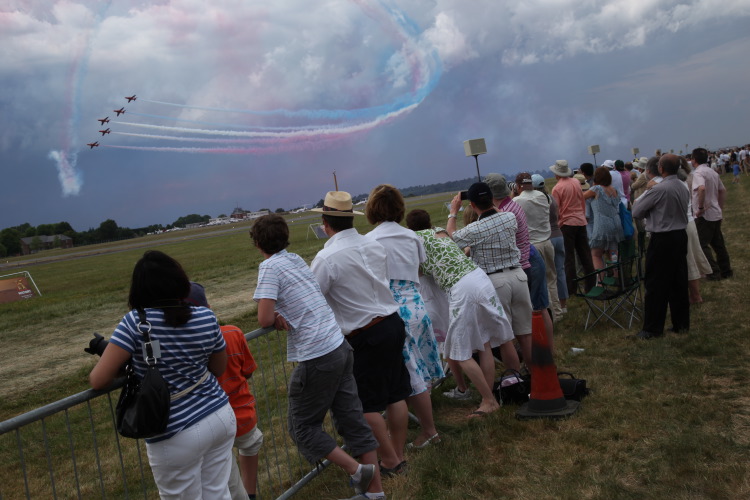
187,391
150,359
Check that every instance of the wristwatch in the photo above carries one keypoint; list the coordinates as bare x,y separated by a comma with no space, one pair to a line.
452,216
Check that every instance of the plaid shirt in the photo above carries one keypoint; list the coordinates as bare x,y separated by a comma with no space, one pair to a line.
492,240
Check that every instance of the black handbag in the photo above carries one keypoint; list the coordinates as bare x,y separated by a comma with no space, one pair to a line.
572,387
143,408
512,388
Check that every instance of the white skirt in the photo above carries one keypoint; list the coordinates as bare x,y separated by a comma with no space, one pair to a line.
697,263
476,317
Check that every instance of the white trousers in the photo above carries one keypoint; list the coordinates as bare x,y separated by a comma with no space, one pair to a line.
195,463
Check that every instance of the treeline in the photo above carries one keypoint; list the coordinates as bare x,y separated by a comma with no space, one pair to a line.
10,238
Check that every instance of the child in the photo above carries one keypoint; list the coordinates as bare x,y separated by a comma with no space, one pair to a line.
289,298
240,367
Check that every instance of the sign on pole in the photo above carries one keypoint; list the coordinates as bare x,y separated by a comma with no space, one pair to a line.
17,286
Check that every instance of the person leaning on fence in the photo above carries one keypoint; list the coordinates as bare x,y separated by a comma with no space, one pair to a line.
352,272
385,208
492,239
289,298
234,381
476,317
193,457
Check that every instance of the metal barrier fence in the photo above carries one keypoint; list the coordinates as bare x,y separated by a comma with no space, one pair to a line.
70,448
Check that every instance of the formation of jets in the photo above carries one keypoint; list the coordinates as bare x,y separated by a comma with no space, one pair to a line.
104,120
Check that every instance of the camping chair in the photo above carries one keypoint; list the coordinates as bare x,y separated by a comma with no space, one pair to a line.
616,297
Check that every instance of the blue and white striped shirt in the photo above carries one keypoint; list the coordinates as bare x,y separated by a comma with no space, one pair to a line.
285,278
184,359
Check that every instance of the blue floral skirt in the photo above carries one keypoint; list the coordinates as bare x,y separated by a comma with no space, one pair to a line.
420,349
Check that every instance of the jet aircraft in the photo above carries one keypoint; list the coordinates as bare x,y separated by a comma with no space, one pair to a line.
105,131
92,145
119,111
131,98
103,120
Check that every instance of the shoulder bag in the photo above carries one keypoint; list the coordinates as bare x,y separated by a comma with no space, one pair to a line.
143,408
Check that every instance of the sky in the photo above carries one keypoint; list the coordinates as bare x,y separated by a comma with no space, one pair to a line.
256,104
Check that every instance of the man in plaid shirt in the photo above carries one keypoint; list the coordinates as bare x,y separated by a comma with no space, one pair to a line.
492,241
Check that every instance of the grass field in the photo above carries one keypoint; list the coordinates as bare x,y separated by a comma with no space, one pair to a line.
667,418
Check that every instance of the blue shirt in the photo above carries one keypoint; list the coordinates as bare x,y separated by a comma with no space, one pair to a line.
185,350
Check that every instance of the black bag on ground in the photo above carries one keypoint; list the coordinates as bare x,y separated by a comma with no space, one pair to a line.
143,408
572,387
512,388
518,393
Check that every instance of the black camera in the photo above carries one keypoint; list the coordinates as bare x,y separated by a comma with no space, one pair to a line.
464,195
96,345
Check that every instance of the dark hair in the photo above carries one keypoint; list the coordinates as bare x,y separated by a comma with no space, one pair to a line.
418,219
160,282
270,233
700,155
385,204
629,166
669,163
587,169
602,176
619,165
652,166
338,223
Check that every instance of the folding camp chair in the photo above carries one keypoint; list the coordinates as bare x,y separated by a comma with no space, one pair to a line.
617,296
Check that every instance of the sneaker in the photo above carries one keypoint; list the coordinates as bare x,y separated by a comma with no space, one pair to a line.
456,394
365,478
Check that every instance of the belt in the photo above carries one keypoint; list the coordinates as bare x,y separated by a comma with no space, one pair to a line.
372,323
504,269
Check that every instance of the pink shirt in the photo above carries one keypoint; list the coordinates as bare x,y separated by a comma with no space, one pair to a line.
522,232
710,180
569,197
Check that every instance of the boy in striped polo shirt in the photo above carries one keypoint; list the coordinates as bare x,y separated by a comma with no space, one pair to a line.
289,298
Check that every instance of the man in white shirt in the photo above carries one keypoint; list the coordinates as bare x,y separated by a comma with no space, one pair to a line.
352,273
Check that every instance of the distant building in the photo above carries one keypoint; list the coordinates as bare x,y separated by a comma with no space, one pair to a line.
45,243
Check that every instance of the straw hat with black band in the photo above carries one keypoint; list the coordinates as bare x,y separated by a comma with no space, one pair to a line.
338,204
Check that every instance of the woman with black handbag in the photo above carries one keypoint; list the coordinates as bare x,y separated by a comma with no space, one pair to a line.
192,457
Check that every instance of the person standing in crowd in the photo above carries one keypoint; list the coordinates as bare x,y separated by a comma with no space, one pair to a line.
385,209
234,381
587,171
536,207
616,179
556,237
605,203
502,198
638,186
709,194
477,320
625,175
492,239
698,266
664,206
289,298
193,457
569,197
352,272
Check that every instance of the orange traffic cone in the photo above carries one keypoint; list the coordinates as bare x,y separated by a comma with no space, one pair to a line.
546,400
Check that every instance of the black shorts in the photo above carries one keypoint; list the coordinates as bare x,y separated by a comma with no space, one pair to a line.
379,369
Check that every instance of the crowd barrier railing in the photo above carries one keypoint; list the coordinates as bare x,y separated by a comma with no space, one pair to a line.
71,449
